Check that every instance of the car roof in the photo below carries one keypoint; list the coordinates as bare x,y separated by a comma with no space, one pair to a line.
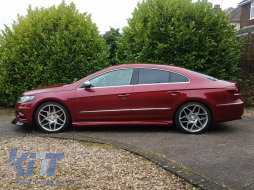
148,65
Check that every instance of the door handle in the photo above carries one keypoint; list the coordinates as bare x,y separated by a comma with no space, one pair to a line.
174,92
123,95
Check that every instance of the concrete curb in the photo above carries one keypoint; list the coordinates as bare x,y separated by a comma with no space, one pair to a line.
195,179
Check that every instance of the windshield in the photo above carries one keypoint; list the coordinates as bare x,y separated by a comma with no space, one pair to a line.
203,75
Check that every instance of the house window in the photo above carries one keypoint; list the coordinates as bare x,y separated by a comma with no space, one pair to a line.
252,11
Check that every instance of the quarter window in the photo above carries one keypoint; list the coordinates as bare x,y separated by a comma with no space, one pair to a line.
113,78
178,78
151,76
252,11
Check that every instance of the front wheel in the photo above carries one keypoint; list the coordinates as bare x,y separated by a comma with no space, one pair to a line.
193,117
52,117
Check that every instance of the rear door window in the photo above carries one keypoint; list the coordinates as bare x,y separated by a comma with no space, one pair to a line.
153,76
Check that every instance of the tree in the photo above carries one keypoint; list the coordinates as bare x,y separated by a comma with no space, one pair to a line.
111,37
192,35
48,46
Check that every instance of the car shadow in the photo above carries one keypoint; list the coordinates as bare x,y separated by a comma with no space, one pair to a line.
215,128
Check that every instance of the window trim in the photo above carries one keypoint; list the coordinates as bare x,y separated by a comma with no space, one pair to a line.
136,81
251,7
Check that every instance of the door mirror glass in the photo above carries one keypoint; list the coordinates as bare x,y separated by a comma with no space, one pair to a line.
87,84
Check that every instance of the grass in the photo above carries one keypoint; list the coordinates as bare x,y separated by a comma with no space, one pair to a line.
7,111
105,146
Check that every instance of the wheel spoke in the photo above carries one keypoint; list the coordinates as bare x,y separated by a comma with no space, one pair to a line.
58,111
43,115
185,112
193,126
183,117
44,111
194,109
60,119
198,110
201,123
46,123
188,110
59,115
43,120
197,126
55,126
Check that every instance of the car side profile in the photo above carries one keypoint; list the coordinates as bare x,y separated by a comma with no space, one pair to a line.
133,94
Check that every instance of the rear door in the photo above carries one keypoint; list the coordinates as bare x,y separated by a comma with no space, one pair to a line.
155,92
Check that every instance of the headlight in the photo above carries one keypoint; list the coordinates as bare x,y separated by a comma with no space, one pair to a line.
23,99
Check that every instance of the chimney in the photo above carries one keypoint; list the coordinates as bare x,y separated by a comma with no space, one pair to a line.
216,6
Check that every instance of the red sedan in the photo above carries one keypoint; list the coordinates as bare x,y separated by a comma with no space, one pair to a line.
140,94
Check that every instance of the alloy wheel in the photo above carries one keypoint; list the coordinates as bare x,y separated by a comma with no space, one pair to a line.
193,118
51,117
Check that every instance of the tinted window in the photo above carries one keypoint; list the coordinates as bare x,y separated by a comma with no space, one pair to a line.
113,78
178,78
150,76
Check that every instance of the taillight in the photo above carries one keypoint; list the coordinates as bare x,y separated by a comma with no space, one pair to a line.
232,90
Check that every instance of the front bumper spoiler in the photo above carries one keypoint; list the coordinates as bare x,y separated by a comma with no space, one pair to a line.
14,122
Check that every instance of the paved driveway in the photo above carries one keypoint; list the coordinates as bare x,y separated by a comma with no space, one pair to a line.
224,154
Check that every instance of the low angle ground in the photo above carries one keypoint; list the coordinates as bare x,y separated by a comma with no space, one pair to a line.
86,165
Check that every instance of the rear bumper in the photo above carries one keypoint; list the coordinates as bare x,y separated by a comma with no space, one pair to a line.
228,111
14,122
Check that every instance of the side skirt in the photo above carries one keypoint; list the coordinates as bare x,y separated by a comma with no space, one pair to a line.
125,123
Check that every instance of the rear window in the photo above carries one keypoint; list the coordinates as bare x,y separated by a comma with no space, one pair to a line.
178,78
203,75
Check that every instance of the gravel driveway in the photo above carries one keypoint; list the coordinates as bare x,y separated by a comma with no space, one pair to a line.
223,154
85,166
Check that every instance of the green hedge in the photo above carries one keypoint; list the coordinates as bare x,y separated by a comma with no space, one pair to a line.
245,75
48,46
192,35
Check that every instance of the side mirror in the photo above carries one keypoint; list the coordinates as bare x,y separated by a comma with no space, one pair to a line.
87,84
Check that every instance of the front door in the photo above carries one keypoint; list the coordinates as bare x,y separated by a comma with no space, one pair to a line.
108,99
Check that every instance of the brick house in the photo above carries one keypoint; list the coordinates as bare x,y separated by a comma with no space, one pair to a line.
247,16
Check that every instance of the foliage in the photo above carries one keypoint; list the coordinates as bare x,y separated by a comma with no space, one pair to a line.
245,75
48,46
192,35
111,37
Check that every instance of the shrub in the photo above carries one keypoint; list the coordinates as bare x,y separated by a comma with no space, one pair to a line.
192,35
111,37
48,46
246,71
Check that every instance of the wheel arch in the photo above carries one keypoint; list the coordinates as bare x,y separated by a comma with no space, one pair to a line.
195,100
42,102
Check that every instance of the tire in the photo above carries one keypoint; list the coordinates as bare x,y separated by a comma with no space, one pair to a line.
192,118
52,117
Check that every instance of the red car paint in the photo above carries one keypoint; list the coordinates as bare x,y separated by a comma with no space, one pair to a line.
135,100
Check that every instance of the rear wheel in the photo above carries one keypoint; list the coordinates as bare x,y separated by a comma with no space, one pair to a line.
52,117
193,117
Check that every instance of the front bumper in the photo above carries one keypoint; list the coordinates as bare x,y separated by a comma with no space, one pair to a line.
14,122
